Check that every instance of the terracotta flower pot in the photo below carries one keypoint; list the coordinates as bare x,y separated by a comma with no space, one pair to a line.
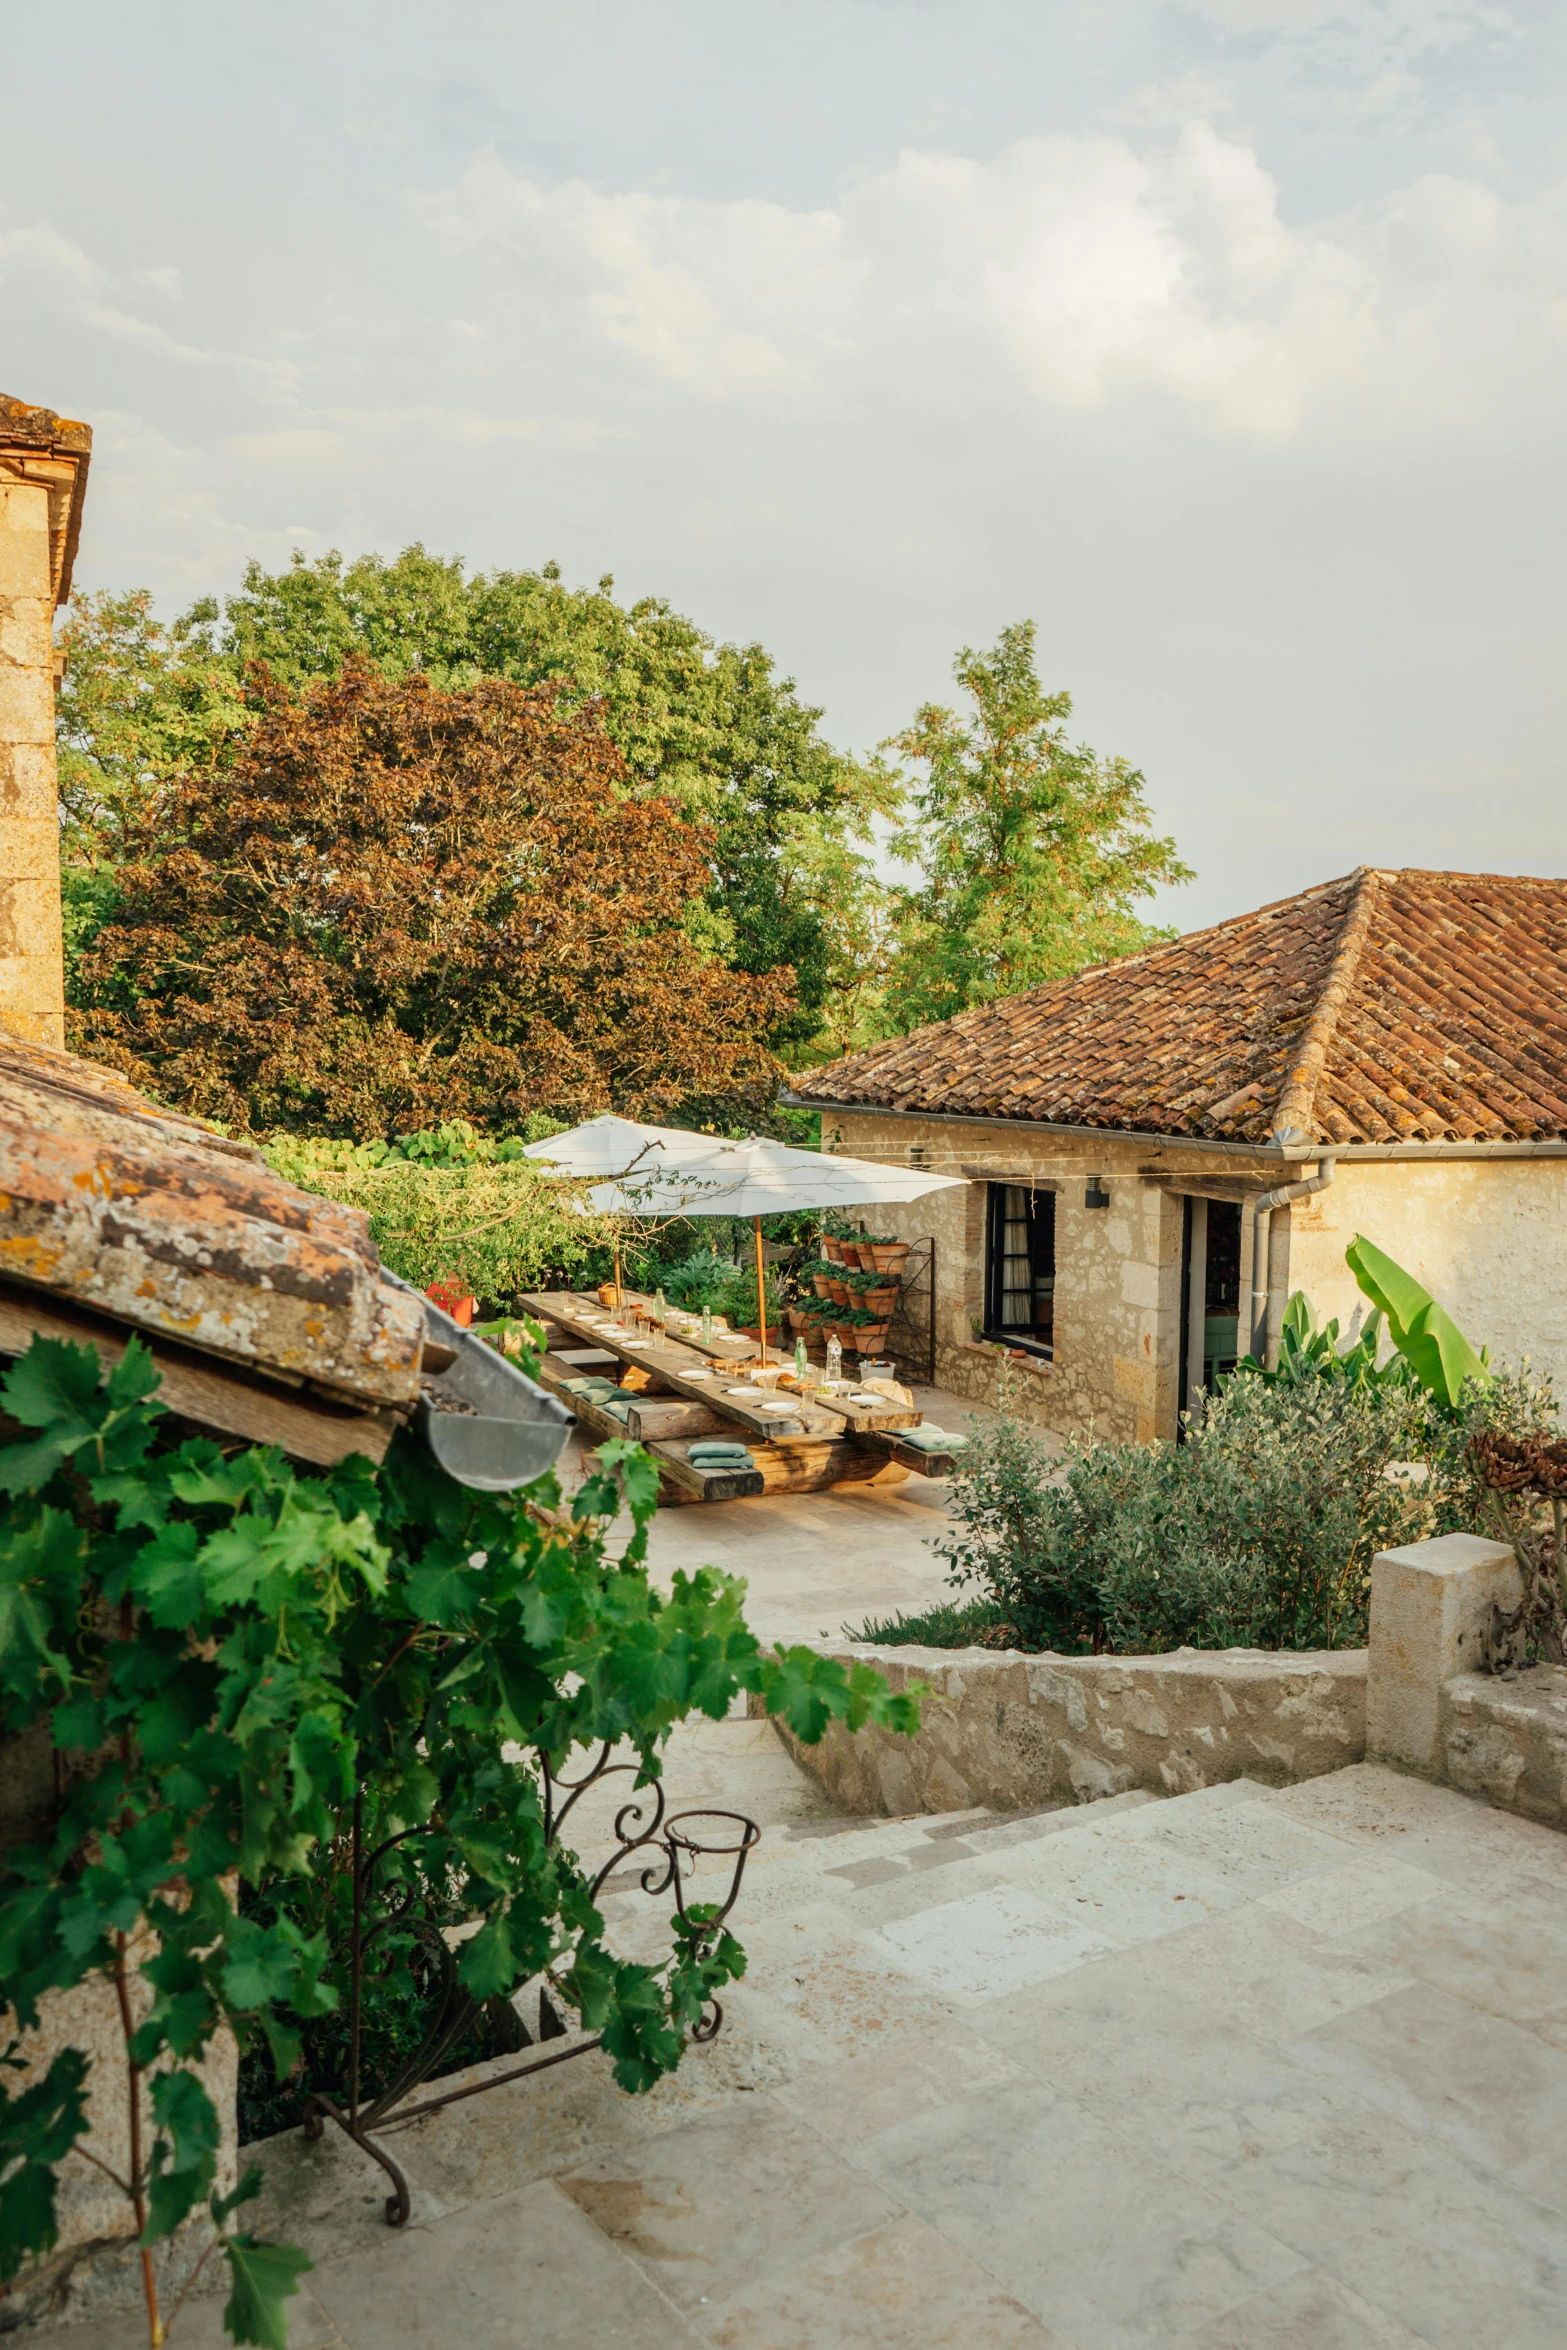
831,1249
822,1284
871,1342
838,1291
891,1256
880,1301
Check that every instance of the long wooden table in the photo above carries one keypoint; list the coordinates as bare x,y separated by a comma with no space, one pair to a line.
822,1441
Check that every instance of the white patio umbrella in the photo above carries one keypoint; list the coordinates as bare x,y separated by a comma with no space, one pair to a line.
618,1147
611,1146
758,1178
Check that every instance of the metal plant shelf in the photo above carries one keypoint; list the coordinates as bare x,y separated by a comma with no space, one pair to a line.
672,1844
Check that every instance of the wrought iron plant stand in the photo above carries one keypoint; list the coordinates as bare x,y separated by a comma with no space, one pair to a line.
672,1844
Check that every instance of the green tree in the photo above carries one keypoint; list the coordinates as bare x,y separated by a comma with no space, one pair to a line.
397,906
713,727
138,702
1031,851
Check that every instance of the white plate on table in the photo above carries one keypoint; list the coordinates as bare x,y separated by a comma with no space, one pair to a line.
747,1394
696,1374
636,1345
783,1410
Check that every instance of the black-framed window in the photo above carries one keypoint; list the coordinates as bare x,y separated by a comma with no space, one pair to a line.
1020,1266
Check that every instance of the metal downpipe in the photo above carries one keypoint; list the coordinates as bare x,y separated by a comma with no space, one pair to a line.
1260,1215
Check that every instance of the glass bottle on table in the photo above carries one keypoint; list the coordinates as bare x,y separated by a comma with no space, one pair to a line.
707,1325
801,1362
834,1361
660,1310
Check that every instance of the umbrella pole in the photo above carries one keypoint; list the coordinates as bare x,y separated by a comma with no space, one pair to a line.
761,1290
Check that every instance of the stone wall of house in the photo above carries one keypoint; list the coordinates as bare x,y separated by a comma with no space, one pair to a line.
1486,1236
1118,1269
90,2265
42,459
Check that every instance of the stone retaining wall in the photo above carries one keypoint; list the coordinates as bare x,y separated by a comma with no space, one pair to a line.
1505,1738
1014,1731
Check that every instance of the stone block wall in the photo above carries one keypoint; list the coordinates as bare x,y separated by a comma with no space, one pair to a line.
43,467
1116,1366
1015,1732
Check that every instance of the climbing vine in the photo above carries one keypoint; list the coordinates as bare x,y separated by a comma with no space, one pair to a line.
215,1651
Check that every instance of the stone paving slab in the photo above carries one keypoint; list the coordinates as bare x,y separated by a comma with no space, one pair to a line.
1242,2070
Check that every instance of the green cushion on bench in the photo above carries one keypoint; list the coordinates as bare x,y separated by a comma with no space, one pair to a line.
931,1439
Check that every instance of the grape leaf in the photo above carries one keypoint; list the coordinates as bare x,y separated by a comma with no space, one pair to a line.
263,2277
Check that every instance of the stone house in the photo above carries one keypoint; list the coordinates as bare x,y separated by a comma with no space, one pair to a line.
1160,1150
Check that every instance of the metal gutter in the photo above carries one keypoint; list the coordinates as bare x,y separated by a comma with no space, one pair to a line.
1291,1151
1258,1150
499,1429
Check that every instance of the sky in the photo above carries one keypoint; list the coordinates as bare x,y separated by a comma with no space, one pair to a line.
1226,341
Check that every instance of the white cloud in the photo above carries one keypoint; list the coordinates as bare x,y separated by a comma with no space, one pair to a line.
1276,477
39,264
1088,270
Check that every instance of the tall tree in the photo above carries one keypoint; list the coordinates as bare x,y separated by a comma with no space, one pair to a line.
395,905
713,727
1032,851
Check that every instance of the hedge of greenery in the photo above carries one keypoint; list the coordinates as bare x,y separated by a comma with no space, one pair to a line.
1259,1530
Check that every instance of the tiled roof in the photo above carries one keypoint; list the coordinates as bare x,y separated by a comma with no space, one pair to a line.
1386,1007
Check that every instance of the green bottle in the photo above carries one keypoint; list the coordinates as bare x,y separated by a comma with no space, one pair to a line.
660,1309
801,1361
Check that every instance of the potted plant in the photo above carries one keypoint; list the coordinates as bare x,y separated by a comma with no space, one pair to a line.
831,1248
889,1255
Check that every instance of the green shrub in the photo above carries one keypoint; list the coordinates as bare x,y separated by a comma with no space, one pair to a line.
947,1623
737,1301
1259,1533
699,1282
455,1206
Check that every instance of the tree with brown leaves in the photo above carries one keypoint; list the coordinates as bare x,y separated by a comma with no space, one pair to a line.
398,906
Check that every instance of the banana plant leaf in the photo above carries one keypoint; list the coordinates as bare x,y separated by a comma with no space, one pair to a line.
1425,1334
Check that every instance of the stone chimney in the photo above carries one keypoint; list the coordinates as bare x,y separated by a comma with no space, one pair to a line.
43,480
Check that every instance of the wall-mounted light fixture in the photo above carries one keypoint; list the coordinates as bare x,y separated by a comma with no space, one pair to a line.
1096,1195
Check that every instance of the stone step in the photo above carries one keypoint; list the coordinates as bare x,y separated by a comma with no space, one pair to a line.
871,1850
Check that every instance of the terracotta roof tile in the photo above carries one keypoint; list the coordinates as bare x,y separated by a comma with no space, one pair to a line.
1385,1007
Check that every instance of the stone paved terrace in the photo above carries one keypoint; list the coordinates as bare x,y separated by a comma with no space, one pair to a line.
1242,2070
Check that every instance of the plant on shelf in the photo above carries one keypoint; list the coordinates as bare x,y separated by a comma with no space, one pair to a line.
214,1657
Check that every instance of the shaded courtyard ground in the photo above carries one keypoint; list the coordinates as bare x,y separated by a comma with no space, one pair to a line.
817,1561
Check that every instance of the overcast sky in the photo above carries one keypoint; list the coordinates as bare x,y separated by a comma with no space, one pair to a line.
1225,340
